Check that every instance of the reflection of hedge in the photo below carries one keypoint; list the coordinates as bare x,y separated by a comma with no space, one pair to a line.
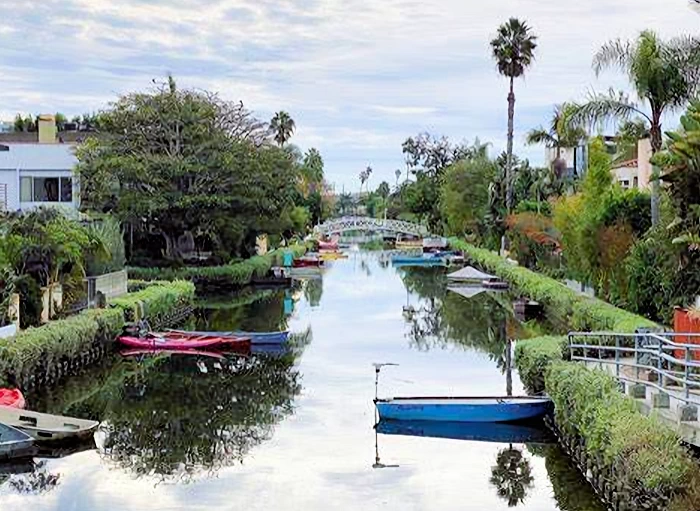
230,275
578,312
638,453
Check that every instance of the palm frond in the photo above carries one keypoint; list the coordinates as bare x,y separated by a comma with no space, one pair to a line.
615,53
540,136
603,108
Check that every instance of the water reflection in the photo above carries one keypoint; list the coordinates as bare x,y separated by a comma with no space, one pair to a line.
29,477
512,476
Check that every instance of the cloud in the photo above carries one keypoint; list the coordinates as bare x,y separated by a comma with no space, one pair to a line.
358,76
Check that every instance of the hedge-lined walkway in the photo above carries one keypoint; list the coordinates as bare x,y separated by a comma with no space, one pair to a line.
220,277
634,461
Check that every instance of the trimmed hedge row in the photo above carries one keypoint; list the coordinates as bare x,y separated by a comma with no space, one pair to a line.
49,347
577,311
534,356
642,455
236,274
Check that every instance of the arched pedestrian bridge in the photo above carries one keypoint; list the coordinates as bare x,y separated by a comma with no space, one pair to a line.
361,223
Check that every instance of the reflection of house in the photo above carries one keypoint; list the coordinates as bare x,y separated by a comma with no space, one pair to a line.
631,173
37,169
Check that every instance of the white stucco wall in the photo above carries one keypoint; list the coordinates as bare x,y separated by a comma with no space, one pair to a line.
9,179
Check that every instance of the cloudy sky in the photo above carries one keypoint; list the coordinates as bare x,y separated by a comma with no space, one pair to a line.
358,76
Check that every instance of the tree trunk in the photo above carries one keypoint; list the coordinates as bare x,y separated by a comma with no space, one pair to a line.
509,150
656,142
509,369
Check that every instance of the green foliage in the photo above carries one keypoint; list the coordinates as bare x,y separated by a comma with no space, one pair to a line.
464,196
533,357
231,275
282,126
30,301
514,48
575,311
108,234
640,450
156,302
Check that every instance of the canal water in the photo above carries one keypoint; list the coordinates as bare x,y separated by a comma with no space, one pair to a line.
294,429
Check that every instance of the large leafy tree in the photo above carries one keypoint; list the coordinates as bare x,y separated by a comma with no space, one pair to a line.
282,127
176,163
513,50
664,75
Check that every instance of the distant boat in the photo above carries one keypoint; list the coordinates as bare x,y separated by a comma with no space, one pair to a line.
422,260
44,427
328,245
463,409
308,262
14,443
181,341
255,337
12,398
499,432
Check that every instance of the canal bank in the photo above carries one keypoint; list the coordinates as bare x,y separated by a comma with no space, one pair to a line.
298,433
631,459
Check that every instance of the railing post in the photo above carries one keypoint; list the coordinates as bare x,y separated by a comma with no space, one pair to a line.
687,373
636,357
660,362
617,357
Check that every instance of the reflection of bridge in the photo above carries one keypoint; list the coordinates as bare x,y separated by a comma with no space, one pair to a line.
360,223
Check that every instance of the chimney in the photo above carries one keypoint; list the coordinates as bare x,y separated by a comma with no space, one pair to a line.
47,129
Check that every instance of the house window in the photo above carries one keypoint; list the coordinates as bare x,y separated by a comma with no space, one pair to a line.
636,182
46,189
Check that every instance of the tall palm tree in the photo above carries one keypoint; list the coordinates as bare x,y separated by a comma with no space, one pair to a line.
513,50
559,135
363,178
664,74
397,173
283,127
368,173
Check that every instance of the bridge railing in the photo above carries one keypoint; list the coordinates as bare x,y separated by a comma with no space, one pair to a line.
366,223
654,359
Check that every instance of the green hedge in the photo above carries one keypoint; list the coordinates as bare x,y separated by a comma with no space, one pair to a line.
644,454
235,274
534,356
155,302
576,311
44,347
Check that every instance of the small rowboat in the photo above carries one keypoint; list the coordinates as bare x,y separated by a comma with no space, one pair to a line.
463,409
332,256
255,337
307,262
43,427
427,260
181,341
12,398
328,245
500,432
191,353
14,443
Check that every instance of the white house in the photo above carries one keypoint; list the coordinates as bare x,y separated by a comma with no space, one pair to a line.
39,172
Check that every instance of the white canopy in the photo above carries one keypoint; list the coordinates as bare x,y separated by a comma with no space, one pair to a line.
470,273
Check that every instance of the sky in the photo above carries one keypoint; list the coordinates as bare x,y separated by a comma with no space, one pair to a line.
358,76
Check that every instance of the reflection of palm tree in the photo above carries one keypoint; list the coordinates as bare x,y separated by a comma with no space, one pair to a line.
512,476
36,482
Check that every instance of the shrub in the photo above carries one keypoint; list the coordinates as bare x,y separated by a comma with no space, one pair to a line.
31,302
156,302
108,234
533,357
642,452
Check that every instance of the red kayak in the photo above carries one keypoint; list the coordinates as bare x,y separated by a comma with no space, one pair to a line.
307,263
182,341
196,353
12,398
327,245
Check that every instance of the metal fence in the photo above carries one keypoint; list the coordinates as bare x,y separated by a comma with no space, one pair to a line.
670,366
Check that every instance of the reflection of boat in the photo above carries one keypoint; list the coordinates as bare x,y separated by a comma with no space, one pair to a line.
270,349
191,353
498,432
332,256
14,443
255,337
12,398
180,341
464,409
44,427
308,262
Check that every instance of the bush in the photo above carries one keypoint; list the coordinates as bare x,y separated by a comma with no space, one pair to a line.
37,349
577,312
30,301
108,234
233,274
156,302
643,453
534,356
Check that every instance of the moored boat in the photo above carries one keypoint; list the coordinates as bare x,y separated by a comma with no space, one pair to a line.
328,245
463,409
151,352
14,443
181,341
307,262
12,398
424,260
255,337
46,428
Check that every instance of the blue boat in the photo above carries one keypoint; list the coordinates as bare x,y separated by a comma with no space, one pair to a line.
463,409
497,432
427,260
255,337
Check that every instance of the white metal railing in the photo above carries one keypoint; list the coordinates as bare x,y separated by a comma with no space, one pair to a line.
355,223
652,352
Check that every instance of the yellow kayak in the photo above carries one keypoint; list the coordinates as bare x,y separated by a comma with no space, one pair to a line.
332,256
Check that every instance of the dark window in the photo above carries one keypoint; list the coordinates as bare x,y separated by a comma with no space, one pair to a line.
66,189
46,189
